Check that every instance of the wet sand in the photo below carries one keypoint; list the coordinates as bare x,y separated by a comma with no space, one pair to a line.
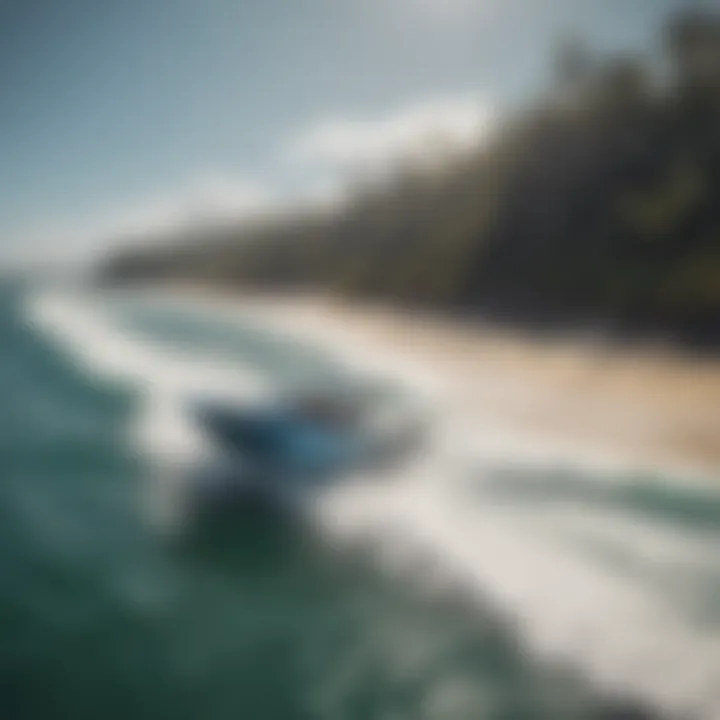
652,409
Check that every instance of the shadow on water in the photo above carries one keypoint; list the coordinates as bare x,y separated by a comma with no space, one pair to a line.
246,535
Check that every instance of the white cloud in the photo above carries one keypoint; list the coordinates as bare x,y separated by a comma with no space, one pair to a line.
430,129
212,197
317,159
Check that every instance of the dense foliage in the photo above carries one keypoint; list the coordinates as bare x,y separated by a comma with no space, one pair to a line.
600,204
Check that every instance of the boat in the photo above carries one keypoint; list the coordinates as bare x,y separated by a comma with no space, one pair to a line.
286,448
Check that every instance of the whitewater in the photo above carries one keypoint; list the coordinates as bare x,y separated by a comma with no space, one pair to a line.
597,567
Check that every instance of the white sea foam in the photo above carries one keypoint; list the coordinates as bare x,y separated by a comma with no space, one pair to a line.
533,560
165,380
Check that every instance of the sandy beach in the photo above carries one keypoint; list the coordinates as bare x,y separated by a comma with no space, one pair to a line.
650,409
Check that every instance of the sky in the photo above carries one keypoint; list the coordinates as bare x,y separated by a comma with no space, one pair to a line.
121,115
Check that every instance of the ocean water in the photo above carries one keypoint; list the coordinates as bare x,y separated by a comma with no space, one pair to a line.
462,587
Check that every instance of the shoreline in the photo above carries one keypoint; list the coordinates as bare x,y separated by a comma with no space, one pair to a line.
651,409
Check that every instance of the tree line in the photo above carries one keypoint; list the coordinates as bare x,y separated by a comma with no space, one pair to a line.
599,204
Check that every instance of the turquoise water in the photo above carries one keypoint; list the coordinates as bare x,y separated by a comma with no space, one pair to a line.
258,616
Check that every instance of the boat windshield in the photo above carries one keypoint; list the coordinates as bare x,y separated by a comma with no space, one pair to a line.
327,410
